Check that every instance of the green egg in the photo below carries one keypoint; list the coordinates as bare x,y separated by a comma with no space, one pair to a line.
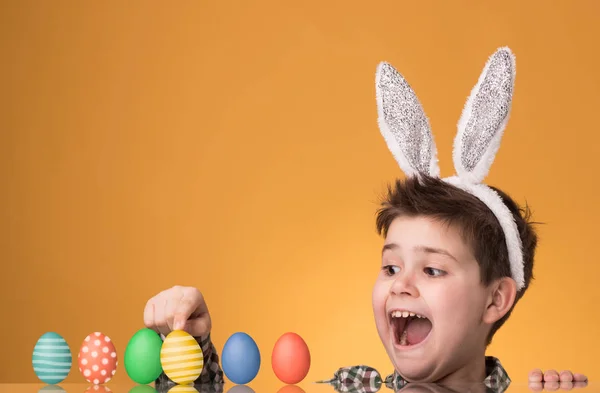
142,356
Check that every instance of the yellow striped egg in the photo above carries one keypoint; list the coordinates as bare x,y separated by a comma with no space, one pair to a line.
181,357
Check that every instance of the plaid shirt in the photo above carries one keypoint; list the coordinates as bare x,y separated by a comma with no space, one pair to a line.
365,379
210,379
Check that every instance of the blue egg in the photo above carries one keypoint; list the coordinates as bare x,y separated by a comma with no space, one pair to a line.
240,358
51,358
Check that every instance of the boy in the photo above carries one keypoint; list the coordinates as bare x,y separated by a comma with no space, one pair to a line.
458,255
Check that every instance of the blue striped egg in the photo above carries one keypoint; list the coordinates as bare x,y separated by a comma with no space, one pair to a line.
52,358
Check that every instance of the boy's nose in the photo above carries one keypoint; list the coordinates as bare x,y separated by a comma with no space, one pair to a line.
404,285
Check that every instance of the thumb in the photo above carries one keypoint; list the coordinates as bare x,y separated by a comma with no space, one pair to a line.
198,327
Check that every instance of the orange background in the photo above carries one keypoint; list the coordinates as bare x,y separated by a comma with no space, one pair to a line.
233,146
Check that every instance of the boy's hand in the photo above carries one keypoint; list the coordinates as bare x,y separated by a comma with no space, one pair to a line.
551,380
178,308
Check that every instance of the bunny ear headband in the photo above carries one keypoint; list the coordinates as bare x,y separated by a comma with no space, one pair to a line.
407,133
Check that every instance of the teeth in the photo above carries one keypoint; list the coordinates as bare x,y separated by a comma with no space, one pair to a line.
405,314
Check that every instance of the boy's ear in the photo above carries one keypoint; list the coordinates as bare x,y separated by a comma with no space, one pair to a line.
501,299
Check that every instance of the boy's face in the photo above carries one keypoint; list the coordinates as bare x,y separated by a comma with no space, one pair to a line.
428,270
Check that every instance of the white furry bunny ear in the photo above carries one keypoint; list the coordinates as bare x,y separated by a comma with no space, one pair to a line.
403,123
484,118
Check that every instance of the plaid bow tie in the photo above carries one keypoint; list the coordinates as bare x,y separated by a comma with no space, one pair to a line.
362,379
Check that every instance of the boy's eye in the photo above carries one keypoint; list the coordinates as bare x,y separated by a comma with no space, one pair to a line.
390,270
430,271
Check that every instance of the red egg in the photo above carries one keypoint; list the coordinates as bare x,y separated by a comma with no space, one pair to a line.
291,358
97,358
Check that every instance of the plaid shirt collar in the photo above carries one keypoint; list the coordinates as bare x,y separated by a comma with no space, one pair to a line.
364,379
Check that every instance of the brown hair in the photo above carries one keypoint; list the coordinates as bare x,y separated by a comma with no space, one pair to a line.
433,197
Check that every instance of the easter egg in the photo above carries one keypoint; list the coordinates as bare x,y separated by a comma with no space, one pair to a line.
97,358
181,357
52,358
290,358
240,358
142,356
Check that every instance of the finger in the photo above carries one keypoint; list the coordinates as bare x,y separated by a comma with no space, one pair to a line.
181,313
191,305
551,386
579,378
160,316
566,376
568,385
170,308
149,314
551,376
536,375
199,327
536,386
580,384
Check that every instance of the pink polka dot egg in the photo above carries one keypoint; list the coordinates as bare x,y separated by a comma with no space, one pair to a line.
97,358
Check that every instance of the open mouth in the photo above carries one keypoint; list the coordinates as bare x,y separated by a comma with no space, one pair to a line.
409,328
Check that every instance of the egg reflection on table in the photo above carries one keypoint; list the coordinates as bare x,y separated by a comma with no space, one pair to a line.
143,389
98,389
240,389
183,389
52,389
291,389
